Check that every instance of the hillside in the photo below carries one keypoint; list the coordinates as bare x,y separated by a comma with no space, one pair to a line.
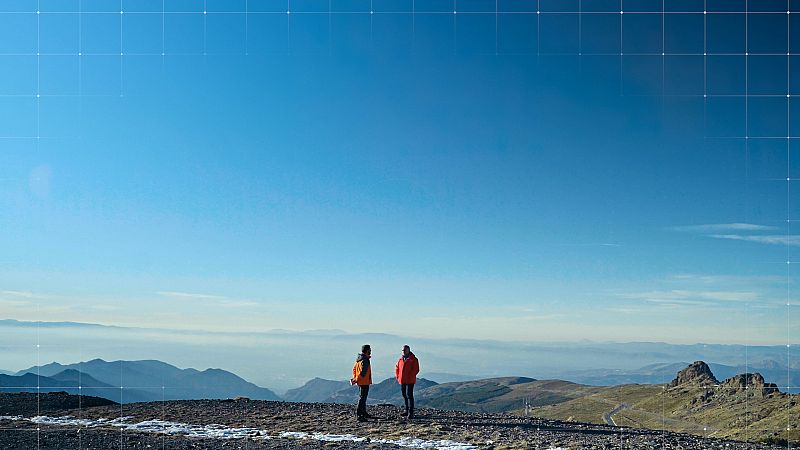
315,390
31,404
743,407
387,391
489,395
500,394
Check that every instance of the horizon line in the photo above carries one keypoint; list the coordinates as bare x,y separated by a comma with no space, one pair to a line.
340,332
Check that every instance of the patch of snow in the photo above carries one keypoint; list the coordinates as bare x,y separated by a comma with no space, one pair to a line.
321,436
76,422
421,443
217,431
337,437
63,421
14,418
402,442
214,431
294,435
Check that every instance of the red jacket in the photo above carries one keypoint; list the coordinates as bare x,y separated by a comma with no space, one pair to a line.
406,370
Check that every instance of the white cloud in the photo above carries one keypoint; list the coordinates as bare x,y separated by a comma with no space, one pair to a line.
773,239
23,294
15,304
190,295
216,299
706,279
720,227
692,297
737,232
238,303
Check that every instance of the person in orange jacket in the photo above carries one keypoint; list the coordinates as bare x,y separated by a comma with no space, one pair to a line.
406,371
362,376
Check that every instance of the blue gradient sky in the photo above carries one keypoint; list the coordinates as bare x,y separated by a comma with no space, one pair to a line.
431,174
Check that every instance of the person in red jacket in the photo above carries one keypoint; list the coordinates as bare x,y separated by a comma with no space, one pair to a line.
406,371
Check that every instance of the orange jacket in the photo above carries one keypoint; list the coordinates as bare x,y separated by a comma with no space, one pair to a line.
406,370
362,371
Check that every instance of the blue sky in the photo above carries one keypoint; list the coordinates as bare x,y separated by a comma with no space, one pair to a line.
432,174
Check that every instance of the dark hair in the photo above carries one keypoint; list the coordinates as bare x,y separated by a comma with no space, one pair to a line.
366,348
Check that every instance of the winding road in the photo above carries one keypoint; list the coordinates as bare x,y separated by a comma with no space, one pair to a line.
609,416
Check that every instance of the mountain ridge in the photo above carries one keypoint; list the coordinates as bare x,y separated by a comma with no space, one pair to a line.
152,380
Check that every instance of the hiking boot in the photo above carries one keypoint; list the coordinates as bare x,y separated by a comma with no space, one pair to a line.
361,418
404,413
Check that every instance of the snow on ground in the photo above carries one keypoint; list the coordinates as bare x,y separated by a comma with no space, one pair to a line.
216,431
421,443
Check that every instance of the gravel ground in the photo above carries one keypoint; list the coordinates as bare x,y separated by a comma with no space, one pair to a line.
485,431
50,438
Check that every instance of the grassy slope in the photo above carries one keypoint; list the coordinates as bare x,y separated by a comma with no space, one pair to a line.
732,415
500,394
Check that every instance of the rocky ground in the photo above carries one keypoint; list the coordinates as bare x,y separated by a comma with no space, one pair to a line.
246,424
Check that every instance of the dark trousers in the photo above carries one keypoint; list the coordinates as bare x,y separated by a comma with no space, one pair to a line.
408,397
362,401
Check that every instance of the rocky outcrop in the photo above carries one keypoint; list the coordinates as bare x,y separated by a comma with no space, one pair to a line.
697,374
751,381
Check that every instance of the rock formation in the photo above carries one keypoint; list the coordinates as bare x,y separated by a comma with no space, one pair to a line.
697,374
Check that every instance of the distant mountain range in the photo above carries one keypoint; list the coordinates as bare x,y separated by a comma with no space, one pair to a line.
133,381
287,359
70,381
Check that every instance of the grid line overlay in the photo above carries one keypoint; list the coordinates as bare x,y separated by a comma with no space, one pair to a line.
664,54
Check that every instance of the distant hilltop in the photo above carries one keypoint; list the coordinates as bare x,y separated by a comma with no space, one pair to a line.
697,373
